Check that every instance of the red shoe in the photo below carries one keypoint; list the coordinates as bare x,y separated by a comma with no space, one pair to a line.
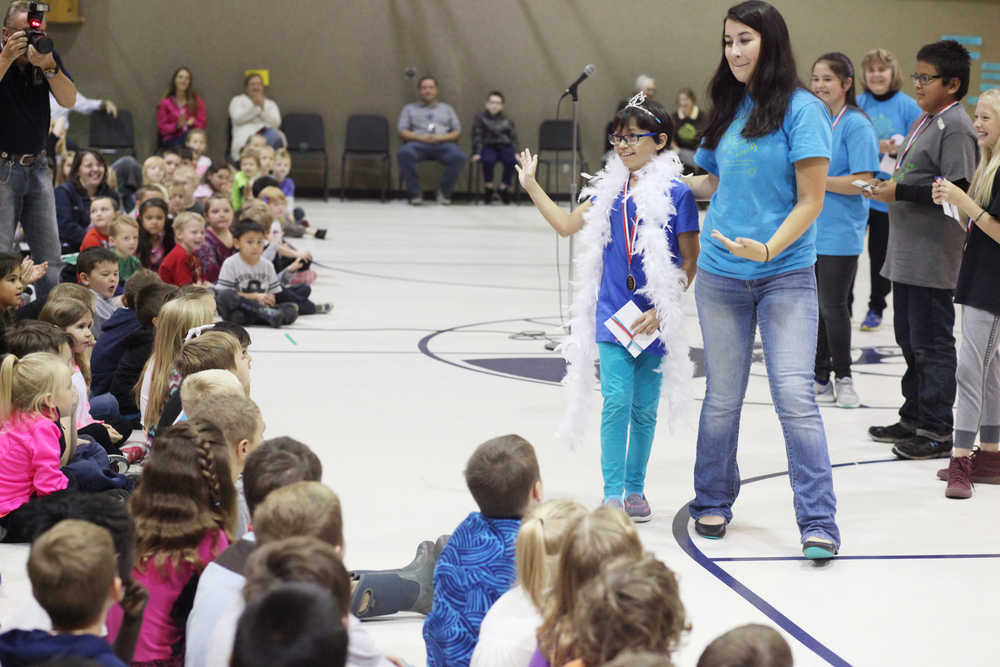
304,277
959,477
134,452
985,468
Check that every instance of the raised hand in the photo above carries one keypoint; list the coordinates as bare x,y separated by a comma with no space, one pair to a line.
526,166
31,272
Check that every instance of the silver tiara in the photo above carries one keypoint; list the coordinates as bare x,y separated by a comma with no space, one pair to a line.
636,103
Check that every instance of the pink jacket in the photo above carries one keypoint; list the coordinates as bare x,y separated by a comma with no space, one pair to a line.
29,460
168,112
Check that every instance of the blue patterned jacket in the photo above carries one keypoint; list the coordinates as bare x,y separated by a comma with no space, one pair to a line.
474,569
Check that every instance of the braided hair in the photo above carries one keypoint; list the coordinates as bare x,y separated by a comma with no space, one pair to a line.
186,493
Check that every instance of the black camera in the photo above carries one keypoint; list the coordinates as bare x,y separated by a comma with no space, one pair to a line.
36,35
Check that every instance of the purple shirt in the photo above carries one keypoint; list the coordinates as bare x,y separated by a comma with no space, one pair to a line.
212,254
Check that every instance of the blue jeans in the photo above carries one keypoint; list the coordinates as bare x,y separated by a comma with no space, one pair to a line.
729,311
448,154
631,389
26,196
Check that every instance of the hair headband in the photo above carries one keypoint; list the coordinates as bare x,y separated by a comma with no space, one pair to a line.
194,332
636,103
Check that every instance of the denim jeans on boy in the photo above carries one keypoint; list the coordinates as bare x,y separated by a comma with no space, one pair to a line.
26,196
924,322
447,153
631,389
729,311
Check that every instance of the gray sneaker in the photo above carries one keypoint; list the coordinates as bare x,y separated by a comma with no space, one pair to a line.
417,201
823,392
637,508
846,396
443,199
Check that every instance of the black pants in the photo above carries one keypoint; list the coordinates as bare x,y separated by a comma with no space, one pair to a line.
834,279
924,319
878,241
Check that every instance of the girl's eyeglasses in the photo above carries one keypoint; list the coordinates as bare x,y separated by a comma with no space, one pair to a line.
628,139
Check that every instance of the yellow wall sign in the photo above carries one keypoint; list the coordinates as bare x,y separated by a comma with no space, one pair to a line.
265,75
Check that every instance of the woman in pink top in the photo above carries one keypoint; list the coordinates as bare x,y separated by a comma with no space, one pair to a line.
180,110
184,510
34,391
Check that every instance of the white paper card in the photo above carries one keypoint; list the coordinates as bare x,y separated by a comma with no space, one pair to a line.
952,210
888,163
620,324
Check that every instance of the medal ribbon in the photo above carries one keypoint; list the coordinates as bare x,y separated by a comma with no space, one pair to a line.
920,130
840,115
629,239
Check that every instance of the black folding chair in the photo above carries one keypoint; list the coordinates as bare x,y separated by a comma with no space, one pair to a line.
367,138
112,135
306,136
556,137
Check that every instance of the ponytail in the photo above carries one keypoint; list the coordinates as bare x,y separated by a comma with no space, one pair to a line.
531,559
6,384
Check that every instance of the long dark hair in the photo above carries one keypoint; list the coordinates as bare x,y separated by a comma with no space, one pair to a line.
192,97
773,83
843,69
145,249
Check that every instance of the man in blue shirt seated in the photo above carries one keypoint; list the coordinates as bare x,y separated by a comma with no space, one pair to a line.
429,130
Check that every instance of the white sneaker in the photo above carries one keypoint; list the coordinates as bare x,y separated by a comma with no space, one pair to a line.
846,396
823,392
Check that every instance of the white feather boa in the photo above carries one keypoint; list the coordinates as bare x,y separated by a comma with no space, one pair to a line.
664,288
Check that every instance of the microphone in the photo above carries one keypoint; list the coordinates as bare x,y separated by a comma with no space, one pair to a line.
587,71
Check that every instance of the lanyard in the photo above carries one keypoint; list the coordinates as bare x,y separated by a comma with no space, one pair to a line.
629,238
924,122
840,115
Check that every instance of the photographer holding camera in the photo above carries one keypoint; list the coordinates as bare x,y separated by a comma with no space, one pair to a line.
29,70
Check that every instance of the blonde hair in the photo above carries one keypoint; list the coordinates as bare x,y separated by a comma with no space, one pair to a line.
539,542
185,217
630,604
307,509
72,568
73,291
205,386
184,172
250,152
271,192
212,349
65,313
176,318
882,57
237,416
25,383
152,162
122,221
591,541
197,130
981,189
259,212
282,154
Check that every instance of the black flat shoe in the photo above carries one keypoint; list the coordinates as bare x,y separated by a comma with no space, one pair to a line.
711,531
321,234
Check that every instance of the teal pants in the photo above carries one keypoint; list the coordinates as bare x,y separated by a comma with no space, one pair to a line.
631,390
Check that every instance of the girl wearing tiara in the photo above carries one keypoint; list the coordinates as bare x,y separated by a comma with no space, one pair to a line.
638,242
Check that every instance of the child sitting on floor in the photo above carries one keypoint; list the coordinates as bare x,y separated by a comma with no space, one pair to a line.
97,270
123,237
197,141
752,645
117,328
156,239
72,568
182,266
34,392
218,245
477,565
278,206
102,212
249,291
189,466
507,634
249,170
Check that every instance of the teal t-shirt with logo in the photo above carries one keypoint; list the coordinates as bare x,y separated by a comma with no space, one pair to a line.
757,188
890,117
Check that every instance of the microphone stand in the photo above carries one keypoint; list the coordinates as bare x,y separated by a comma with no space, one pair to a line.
573,185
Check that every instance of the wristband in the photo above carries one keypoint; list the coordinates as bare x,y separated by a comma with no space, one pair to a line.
981,213
767,253
51,73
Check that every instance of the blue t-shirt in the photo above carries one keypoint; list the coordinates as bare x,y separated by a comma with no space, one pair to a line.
614,293
893,116
757,187
840,228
